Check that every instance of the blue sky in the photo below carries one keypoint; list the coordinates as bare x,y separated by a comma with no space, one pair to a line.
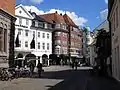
84,12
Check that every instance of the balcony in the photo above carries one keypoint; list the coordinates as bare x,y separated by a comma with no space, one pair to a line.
57,42
60,27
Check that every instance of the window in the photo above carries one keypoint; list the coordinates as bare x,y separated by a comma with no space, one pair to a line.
47,36
38,34
57,25
47,46
33,33
33,23
19,31
26,43
19,43
43,35
43,46
27,22
116,17
57,42
38,45
49,26
1,37
57,33
36,24
20,20
26,32
40,24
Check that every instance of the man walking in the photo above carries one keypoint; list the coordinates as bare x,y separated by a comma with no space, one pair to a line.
39,66
32,66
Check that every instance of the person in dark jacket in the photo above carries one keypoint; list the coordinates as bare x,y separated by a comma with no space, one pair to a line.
32,66
39,66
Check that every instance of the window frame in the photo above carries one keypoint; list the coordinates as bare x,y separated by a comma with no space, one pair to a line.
26,44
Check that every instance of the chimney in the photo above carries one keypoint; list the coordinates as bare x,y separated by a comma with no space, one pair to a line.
61,14
55,11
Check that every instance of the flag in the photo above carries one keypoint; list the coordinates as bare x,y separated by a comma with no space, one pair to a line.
17,41
32,44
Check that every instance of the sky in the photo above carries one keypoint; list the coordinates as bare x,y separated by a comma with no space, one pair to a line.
88,13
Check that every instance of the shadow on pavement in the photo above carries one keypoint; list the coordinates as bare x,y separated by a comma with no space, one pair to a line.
79,80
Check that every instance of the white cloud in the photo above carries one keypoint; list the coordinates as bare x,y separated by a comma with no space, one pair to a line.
106,1
80,21
37,1
34,9
104,14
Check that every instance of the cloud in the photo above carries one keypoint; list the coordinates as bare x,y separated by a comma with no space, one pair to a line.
34,9
104,14
37,1
106,1
80,21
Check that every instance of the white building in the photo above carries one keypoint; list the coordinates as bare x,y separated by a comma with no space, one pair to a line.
114,21
35,38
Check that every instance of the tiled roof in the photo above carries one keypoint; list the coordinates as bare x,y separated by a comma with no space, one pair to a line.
68,20
53,18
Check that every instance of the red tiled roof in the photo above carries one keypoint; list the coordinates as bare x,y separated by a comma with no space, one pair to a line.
53,17
65,19
68,20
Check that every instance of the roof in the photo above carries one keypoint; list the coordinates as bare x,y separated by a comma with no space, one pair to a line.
24,9
37,17
68,20
53,18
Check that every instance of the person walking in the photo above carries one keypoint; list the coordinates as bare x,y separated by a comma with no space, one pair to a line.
72,65
76,63
39,66
32,66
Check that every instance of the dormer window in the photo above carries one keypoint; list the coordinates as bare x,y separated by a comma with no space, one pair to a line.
36,24
33,23
57,25
40,24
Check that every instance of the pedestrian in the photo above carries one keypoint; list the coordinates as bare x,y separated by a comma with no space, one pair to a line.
32,66
76,63
72,65
39,66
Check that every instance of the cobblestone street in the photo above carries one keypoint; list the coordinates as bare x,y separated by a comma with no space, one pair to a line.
61,78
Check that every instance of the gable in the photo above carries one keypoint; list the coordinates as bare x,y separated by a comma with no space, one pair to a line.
20,11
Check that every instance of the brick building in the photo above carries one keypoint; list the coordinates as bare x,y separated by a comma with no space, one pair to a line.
67,38
7,20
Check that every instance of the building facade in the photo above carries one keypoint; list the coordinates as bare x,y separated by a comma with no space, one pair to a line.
67,38
34,35
114,21
7,21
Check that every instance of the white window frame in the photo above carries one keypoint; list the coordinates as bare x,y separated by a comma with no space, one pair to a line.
26,44
48,35
26,33
38,45
43,46
39,34
48,46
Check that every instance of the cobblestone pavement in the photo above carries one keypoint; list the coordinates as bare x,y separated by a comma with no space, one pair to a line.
62,78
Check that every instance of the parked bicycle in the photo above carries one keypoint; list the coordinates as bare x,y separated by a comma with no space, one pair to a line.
4,75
